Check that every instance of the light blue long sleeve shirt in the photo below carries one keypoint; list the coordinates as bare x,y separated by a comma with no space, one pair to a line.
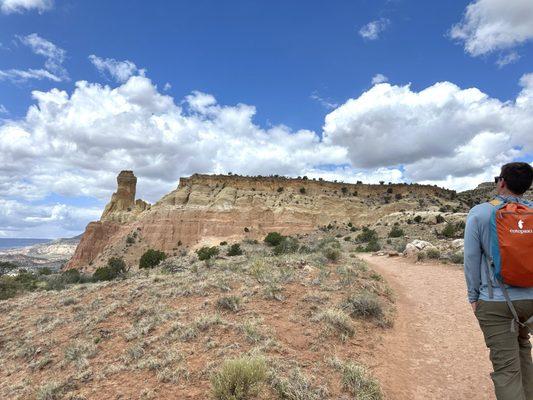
477,234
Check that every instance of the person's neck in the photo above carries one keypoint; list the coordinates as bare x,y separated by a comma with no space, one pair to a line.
508,193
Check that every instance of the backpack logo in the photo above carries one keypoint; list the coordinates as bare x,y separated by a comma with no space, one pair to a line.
520,224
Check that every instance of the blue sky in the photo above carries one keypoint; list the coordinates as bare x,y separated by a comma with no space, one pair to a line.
306,77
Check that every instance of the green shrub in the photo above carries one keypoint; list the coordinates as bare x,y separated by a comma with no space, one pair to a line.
457,258
331,253
239,379
302,190
367,235
71,276
347,238
417,219
450,230
356,380
117,264
433,253
235,250
338,322
286,246
104,274
44,271
296,386
421,256
230,303
223,243
273,238
151,258
6,266
439,219
396,232
130,239
206,252
373,245
366,305
114,268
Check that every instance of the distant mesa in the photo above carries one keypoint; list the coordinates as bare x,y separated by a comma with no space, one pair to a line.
208,209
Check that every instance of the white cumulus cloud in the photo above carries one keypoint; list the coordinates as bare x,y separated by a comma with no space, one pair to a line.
494,25
120,71
19,6
440,131
379,78
373,29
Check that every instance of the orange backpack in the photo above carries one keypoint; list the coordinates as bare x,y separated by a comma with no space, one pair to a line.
511,256
511,241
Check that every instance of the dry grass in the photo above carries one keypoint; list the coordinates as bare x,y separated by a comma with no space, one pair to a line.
165,335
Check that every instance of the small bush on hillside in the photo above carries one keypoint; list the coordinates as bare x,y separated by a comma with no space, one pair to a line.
433,253
44,271
273,238
72,276
151,258
417,219
206,252
297,386
302,190
373,245
239,379
223,243
6,267
357,381
450,230
230,303
396,232
235,250
439,219
457,258
331,253
421,256
130,239
366,305
114,268
368,235
338,322
286,246
11,285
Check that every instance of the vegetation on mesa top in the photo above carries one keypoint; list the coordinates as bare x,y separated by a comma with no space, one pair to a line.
277,178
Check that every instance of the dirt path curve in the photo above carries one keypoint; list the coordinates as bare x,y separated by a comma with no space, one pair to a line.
435,350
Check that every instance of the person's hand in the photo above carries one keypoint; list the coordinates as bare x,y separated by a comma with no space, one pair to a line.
474,306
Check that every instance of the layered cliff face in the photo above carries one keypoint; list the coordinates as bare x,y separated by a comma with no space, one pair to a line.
205,209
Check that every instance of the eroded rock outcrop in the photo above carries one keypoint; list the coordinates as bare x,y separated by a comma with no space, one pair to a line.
211,208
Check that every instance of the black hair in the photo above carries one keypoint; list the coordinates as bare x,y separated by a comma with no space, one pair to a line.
518,176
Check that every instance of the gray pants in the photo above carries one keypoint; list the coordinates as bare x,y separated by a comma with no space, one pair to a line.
510,352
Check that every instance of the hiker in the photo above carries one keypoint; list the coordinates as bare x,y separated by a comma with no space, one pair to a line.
500,279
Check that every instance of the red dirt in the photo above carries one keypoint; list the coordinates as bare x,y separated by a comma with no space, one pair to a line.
436,349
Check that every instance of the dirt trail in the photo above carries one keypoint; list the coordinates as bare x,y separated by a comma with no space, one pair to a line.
435,350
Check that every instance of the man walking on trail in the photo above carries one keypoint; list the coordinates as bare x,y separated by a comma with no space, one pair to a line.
504,311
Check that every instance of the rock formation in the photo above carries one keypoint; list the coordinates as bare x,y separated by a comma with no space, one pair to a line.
210,208
123,200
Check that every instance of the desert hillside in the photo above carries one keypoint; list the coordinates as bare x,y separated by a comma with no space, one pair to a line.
206,209
294,318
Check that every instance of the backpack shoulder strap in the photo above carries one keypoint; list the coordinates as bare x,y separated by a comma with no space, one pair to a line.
496,202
